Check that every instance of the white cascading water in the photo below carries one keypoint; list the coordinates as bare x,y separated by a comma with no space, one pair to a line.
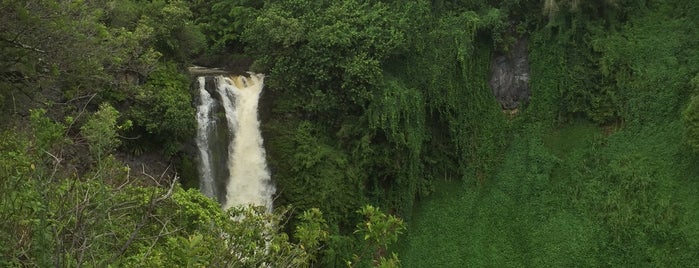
248,179
204,125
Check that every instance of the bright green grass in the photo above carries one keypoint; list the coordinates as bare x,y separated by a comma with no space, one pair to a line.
569,197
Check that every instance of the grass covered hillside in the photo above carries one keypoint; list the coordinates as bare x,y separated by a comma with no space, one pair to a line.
599,170
568,197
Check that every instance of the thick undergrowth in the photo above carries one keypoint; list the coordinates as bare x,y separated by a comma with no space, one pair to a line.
596,173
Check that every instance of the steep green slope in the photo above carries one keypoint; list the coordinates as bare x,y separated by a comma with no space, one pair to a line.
627,199
596,173
514,221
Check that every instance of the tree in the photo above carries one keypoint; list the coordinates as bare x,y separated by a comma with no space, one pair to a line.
378,231
173,32
164,110
39,45
311,232
327,54
100,131
223,22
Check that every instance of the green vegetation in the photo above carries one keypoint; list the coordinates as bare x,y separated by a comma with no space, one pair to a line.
620,200
164,109
596,173
690,117
367,104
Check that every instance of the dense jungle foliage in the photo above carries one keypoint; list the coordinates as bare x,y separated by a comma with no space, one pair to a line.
367,105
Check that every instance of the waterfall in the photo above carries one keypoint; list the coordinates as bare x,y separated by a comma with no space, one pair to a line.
204,125
247,179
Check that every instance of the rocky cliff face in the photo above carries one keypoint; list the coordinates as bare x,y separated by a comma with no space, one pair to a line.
509,77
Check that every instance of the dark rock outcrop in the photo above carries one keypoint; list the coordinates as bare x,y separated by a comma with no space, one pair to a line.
509,77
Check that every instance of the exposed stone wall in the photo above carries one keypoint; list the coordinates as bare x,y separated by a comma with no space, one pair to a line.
509,77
